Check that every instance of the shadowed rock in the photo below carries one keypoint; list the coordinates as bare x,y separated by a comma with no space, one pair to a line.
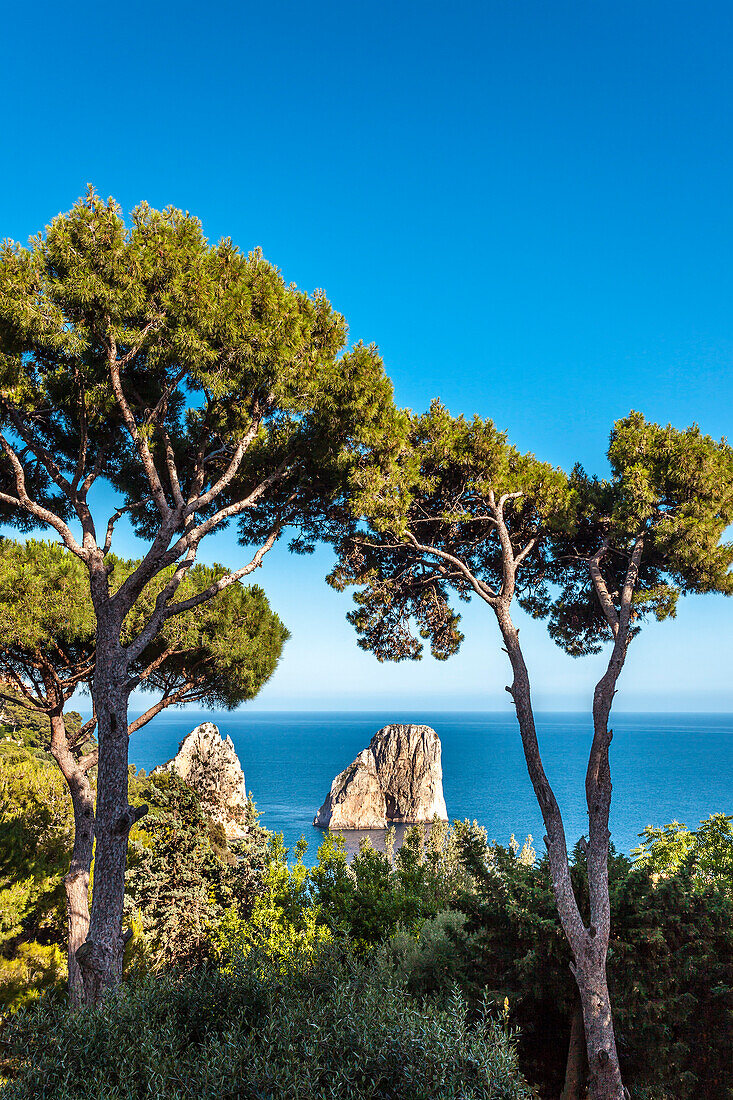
399,778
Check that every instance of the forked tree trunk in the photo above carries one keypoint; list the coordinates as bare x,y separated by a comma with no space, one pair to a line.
76,881
100,956
588,945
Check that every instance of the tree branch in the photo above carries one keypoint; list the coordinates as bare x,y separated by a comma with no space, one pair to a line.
138,438
480,587
215,490
32,506
601,588
230,578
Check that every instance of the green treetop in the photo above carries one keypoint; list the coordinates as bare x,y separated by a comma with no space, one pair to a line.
433,532
206,391
665,509
219,653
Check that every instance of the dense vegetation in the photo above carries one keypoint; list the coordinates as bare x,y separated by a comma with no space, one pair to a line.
329,1027
462,513
436,970
204,391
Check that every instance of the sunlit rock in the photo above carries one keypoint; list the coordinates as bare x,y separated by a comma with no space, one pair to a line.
399,778
210,765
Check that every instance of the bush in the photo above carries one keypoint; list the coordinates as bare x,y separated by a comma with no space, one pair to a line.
430,961
332,1028
283,926
183,876
36,827
670,960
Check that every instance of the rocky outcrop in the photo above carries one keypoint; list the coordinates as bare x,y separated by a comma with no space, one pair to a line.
210,765
399,778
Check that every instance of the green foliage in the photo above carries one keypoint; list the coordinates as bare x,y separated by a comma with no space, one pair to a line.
488,923
41,605
427,519
664,848
31,728
671,974
364,903
671,488
706,854
670,965
211,344
283,925
182,877
369,900
429,528
512,947
450,911
330,1027
36,827
429,961
678,485
219,654
712,856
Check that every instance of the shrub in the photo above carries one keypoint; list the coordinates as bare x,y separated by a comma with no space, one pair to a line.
333,1027
36,826
284,925
183,876
430,961
670,959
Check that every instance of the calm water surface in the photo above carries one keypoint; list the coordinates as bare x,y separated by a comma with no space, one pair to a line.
664,766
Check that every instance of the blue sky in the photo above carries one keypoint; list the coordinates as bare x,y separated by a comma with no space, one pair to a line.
526,205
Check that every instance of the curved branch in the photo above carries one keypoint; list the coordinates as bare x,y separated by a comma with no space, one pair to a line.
44,515
480,587
138,437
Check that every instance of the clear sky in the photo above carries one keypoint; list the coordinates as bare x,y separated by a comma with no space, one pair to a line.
527,205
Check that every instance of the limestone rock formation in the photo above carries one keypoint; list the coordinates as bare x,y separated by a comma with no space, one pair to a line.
209,764
399,778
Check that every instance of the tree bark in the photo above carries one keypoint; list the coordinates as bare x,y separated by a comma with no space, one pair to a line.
76,881
604,1072
100,956
588,945
576,1066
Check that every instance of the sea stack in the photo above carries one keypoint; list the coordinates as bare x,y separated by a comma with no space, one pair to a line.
398,779
209,764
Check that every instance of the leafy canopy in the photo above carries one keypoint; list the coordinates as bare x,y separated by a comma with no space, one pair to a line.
430,528
673,490
145,355
705,854
430,525
220,653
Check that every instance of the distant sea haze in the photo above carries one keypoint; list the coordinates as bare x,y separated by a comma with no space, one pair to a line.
664,766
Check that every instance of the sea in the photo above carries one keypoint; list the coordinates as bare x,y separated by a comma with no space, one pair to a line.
665,767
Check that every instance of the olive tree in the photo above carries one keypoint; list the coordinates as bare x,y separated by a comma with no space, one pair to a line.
201,387
218,655
460,511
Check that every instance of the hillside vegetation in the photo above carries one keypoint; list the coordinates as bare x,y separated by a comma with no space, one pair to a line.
438,970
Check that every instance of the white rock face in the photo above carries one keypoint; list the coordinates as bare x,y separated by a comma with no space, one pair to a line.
211,766
399,778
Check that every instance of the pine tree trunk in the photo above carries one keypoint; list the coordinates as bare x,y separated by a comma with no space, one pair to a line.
588,945
604,1077
100,956
76,881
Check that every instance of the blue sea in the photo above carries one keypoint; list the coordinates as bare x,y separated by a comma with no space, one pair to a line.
665,767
